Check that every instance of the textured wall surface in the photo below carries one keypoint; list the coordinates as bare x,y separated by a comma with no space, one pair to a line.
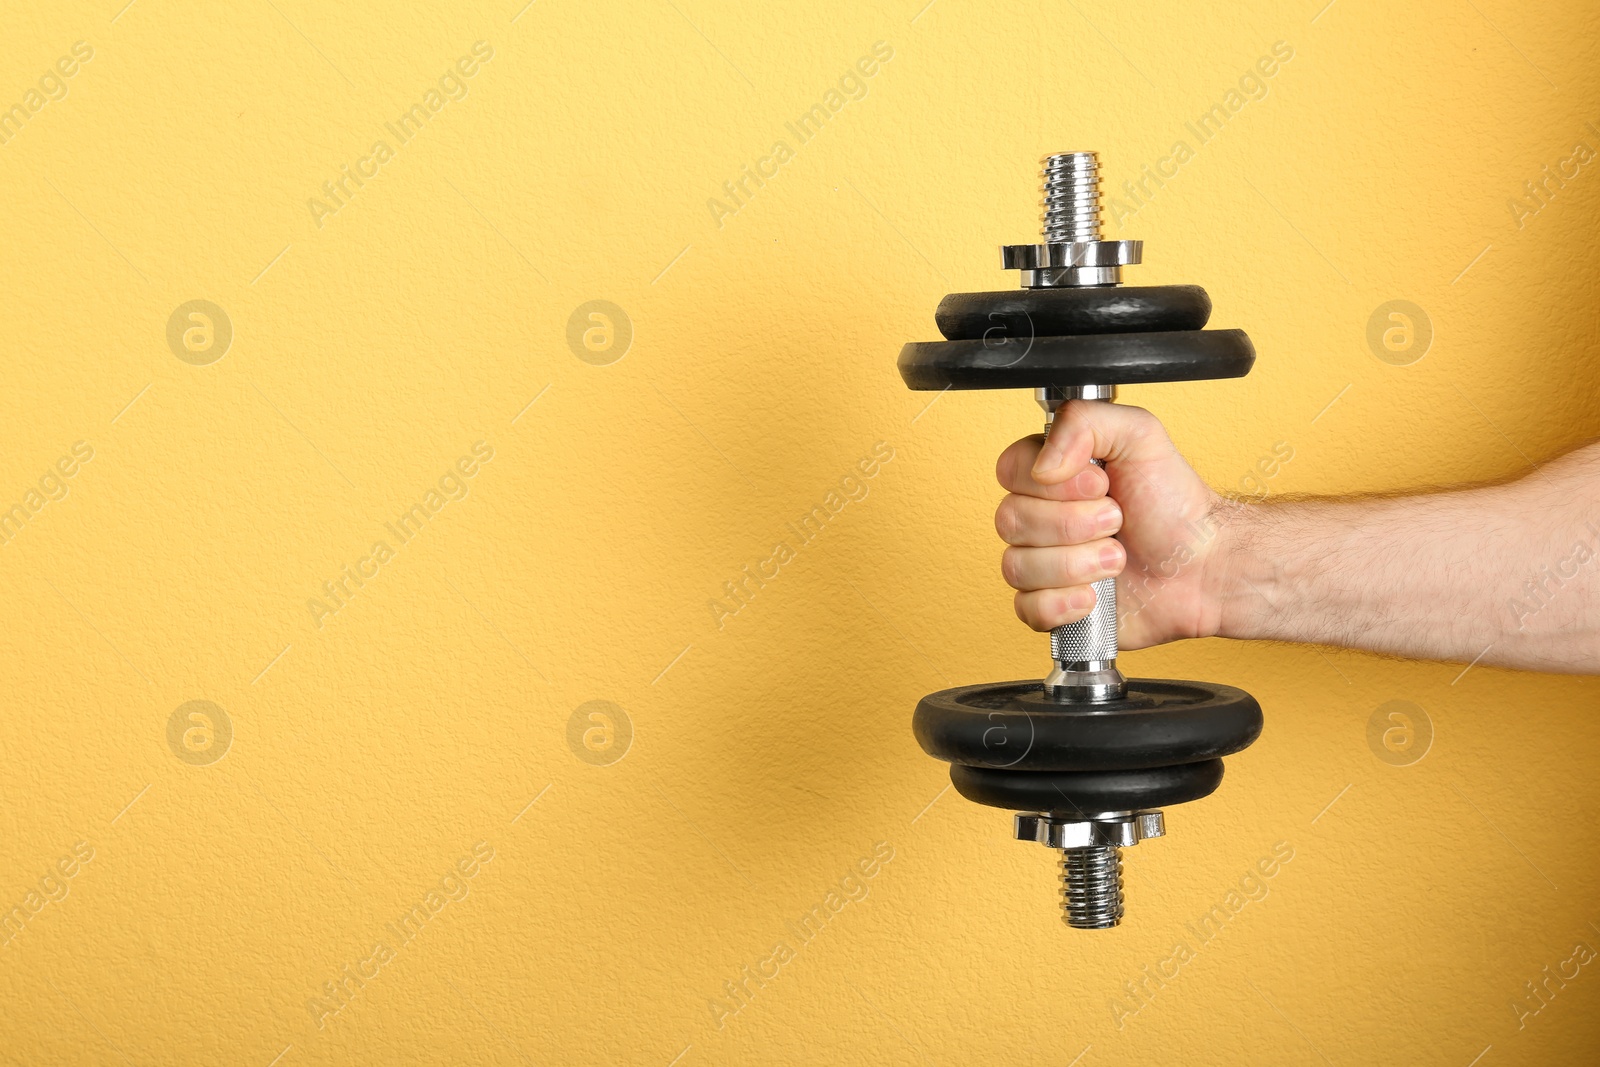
382,677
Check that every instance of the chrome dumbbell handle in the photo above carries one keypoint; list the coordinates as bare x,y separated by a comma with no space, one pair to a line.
1085,652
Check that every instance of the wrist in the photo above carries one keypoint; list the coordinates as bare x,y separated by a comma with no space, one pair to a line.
1232,584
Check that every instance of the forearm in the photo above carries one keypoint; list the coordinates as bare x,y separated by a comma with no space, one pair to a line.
1506,575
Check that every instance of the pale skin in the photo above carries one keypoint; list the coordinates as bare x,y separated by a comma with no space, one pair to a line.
1503,575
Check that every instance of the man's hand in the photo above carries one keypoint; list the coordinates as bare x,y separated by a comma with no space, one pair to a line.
1502,575
1059,519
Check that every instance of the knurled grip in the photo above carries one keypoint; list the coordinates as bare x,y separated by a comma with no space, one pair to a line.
1093,638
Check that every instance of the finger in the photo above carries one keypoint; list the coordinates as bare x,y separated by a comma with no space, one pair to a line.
1045,609
1065,565
1027,521
1092,429
1014,470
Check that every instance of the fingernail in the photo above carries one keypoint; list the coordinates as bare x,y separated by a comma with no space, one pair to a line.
1110,557
1081,599
1110,518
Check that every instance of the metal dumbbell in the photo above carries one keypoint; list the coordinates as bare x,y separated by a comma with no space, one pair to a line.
1085,756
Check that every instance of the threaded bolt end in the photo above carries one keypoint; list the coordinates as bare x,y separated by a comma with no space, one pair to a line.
1091,887
1072,197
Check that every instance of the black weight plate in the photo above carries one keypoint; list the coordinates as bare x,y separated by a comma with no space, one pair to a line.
1064,311
1092,359
1017,726
1080,793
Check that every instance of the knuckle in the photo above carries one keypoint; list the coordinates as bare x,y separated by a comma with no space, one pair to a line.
1005,467
1015,462
1009,568
1084,565
1143,425
1072,526
1087,570
1002,467
1007,523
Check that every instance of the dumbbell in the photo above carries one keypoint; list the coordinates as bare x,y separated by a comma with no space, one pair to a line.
1085,757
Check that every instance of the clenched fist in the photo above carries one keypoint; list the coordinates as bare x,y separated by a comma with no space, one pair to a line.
1146,518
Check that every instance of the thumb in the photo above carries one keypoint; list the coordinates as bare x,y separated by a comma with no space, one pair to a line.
1093,429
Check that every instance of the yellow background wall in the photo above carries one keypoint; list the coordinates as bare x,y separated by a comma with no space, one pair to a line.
627,867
